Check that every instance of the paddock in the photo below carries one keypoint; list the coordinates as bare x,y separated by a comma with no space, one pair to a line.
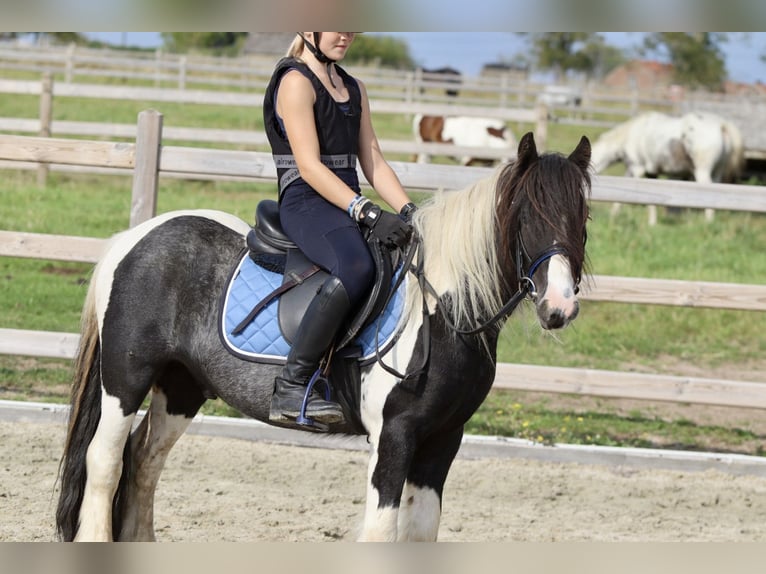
674,489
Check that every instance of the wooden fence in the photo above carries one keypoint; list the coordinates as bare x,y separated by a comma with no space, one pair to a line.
491,92
143,158
537,116
72,64
525,115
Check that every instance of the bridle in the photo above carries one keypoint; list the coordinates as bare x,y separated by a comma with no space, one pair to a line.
526,288
525,281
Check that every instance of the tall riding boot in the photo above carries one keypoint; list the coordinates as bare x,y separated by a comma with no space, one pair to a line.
315,334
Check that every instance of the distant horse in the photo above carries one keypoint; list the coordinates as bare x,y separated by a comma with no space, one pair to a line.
700,146
445,75
464,131
151,318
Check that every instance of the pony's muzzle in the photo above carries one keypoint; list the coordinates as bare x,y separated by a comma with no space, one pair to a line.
554,317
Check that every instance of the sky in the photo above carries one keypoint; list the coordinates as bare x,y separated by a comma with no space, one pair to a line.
469,51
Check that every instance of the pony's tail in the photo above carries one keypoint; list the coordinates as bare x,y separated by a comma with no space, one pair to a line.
84,414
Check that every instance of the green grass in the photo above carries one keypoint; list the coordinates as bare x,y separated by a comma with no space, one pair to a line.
47,295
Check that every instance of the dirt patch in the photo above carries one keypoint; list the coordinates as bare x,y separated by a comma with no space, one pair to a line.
220,489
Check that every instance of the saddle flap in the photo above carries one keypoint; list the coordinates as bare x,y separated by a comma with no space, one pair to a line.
376,299
294,302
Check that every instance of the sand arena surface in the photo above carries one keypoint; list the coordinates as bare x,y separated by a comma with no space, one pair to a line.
224,489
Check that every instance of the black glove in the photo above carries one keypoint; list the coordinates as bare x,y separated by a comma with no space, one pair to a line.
389,228
405,213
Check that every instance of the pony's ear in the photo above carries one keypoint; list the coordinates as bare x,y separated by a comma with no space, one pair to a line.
581,154
527,153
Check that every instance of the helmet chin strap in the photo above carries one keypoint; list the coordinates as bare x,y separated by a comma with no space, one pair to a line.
319,55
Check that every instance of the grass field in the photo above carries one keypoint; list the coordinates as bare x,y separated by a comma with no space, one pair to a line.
46,295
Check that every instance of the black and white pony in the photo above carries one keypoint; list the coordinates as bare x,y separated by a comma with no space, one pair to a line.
150,325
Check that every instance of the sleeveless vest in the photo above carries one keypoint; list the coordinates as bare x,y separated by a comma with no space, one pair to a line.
337,130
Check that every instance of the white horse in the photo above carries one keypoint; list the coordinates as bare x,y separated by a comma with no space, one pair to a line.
698,145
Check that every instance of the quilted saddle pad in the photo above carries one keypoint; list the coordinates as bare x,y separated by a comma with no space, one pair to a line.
262,341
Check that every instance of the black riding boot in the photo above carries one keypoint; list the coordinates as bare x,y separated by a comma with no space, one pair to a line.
315,333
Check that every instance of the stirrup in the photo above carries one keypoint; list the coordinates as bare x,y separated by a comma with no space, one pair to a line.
304,421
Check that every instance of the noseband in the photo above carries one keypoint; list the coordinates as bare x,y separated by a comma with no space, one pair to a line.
526,283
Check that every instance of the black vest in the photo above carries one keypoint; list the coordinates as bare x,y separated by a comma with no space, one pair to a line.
338,130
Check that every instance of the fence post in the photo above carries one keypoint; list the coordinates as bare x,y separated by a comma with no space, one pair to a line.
46,115
157,67
182,73
146,170
541,128
69,75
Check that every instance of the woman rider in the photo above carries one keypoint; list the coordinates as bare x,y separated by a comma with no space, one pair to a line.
317,119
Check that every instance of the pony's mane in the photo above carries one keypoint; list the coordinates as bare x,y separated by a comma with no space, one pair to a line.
460,251
464,256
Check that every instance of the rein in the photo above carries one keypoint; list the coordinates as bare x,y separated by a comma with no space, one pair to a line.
526,287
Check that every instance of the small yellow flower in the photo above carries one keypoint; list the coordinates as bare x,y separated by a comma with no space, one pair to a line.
525,424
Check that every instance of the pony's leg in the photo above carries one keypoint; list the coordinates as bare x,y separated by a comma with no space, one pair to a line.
103,467
385,481
420,511
150,445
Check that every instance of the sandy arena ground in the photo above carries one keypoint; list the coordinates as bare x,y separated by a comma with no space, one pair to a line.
223,489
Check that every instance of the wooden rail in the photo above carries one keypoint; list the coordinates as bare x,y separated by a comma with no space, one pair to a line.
192,162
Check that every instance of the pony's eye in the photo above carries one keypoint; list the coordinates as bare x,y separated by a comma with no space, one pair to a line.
577,290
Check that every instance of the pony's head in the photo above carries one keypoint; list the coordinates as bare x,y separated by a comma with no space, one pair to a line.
542,213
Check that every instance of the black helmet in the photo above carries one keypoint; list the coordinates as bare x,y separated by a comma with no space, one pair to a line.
314,48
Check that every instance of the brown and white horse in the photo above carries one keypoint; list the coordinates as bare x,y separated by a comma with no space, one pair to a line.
465,131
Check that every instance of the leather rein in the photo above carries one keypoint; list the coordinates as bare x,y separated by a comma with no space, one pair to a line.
526,287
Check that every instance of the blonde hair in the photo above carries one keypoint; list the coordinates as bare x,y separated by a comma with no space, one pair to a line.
296,47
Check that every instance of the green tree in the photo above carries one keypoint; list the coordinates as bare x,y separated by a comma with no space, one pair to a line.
562,52
385,51
219,43
696,56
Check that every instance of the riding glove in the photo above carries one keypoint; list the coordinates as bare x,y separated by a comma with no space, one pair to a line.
405,213
389,228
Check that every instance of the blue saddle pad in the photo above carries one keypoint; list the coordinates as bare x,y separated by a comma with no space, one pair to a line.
262,341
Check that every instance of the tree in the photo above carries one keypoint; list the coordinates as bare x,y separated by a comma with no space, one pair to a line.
385,51
562,52
212,42
696,57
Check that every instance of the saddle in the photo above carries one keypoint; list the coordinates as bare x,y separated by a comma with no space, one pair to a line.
270,248
269,255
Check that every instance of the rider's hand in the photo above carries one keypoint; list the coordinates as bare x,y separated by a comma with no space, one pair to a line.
389,228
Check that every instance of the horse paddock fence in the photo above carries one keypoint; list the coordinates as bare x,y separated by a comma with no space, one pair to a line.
148,159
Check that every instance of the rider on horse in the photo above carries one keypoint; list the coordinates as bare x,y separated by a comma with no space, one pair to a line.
317,119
